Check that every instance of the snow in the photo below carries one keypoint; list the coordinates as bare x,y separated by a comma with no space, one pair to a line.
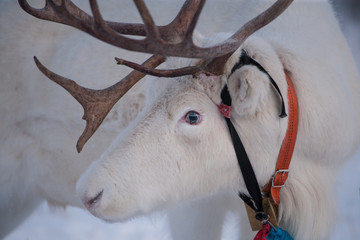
74,223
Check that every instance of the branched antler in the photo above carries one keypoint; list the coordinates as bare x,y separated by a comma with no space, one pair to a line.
174,39
167,43
97,103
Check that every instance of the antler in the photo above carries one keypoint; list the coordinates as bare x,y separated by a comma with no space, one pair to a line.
159,40
97,103
174,39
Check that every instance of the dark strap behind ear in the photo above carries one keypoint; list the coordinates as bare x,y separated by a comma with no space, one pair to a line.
251,183
225,96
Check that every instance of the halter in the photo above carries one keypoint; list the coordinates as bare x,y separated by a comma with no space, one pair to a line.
255,200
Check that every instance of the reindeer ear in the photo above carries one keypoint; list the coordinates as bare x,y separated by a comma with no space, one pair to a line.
249,89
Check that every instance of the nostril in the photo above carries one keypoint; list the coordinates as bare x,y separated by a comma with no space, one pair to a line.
94,200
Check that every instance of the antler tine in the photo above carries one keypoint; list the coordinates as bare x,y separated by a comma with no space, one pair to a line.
190,29
261,20
97,103
104,32
151,29
177,27
217,64
180,24
69,14
96,13
169,73
45,13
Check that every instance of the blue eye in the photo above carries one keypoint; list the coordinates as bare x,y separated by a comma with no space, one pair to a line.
192,118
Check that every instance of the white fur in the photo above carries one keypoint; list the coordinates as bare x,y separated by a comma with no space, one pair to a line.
158,160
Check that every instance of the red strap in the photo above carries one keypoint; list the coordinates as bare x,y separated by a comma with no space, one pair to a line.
287,147
225,110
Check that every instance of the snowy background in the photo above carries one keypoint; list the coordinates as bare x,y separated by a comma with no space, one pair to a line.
73,223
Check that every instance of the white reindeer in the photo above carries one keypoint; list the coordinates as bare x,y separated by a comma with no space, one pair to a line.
178,148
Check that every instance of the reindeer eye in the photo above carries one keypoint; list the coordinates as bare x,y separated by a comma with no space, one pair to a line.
192,118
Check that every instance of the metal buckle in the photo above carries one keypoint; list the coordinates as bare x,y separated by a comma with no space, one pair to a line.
283,171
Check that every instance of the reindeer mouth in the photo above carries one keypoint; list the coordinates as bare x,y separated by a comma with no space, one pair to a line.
92,203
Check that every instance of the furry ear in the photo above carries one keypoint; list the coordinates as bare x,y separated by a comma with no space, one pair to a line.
249,89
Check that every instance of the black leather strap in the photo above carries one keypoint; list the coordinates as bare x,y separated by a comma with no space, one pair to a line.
251,183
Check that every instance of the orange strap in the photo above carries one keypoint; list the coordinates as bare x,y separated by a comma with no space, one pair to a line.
287,147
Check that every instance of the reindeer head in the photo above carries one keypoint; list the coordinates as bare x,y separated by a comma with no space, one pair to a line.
181,142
